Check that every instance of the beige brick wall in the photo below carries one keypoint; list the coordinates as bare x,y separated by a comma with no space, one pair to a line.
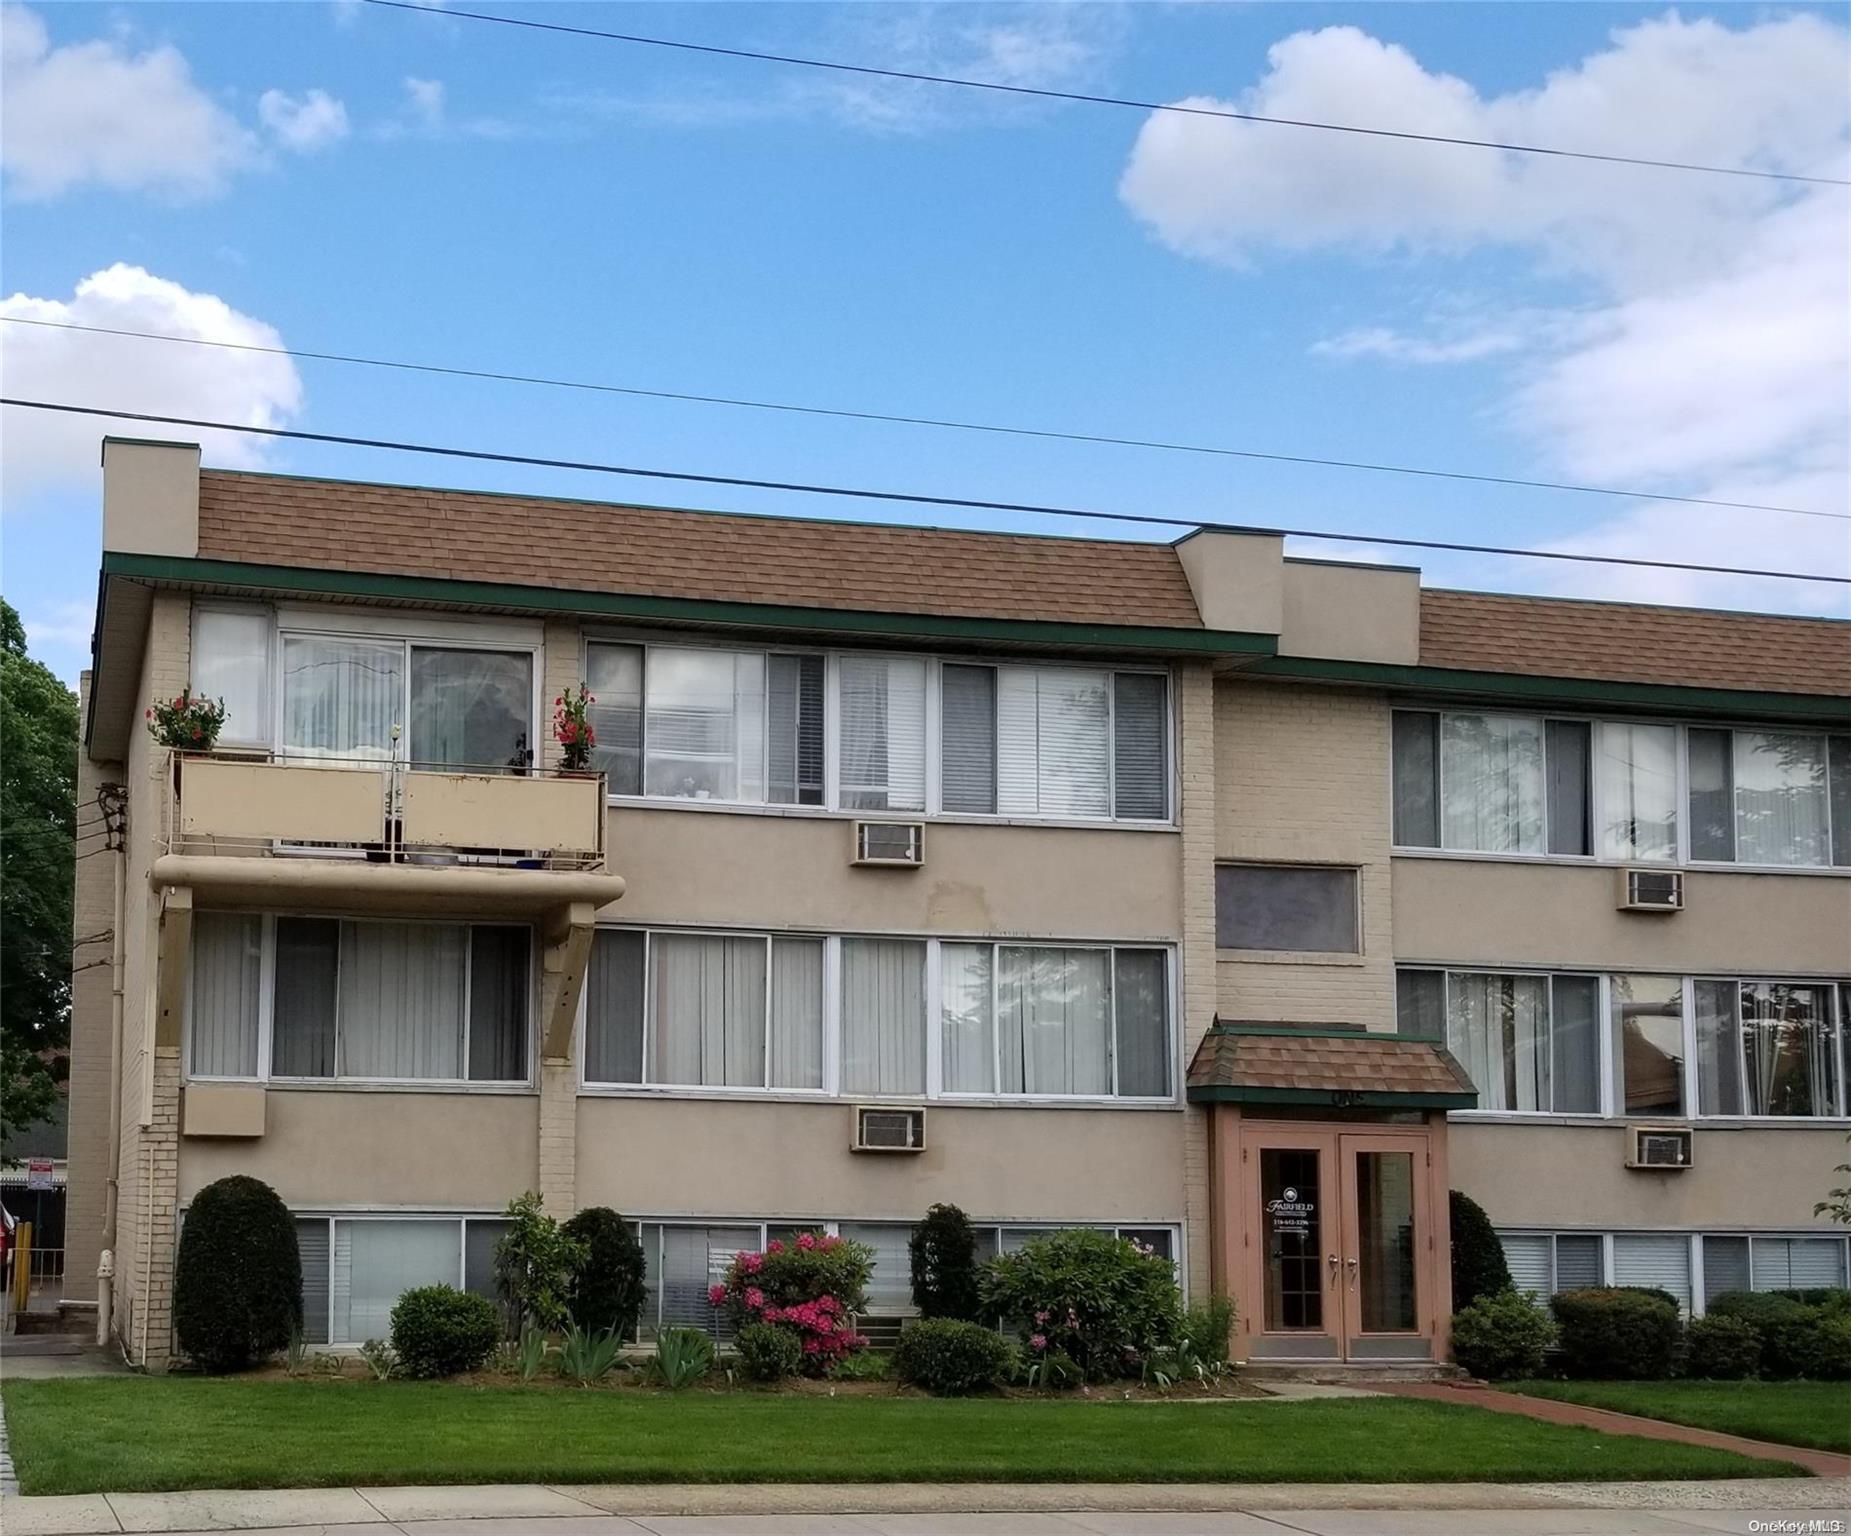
559,1136
1301,776
1196,770
561,667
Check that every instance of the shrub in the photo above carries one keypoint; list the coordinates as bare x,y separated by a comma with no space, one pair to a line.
769,1351
1479,1268
1782,1324
1657,1293
1618,1334
1501,1337
1831,1353
812,1285
1205,1331
438,1330
949,1357
863,1365
536,1263
683,1357
943,1250
237,1276
1721,1348
607,1290
1103,1300
586,1356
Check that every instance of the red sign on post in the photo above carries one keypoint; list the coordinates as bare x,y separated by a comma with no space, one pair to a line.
38,1173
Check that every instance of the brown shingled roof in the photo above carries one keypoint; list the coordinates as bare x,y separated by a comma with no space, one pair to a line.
1634,643
595,547
1311,1065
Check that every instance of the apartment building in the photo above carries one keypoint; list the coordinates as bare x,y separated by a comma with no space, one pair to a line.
1238,903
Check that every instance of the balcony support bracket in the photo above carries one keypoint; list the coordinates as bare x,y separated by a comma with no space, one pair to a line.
175,959
566,936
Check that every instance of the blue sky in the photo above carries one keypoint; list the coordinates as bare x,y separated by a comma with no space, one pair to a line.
352,179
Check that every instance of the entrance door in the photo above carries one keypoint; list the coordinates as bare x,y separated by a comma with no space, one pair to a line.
1337,1243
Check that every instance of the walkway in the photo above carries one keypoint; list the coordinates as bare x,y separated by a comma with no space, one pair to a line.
1819,1463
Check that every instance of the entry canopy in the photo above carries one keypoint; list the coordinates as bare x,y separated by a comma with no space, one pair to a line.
1325,1066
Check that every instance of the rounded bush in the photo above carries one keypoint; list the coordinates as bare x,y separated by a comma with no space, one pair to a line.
943,1250
769,1351
1721,1348
1831,1348
1784,1325
237,1275
1502,1337
1479,1267
438,1330
1103,1300
607,1292
1617,1334
950,1358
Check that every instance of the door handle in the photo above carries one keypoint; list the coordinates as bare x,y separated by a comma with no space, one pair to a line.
1333,1261
1352,1266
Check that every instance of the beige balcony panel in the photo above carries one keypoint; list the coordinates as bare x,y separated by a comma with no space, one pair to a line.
510,811
222,1109
292,802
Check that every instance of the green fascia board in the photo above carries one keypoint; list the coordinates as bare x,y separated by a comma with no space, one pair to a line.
1308,1031
185,571
1591,693
1326,1098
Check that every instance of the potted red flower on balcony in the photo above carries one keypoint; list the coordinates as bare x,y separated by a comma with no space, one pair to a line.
573,730
187,723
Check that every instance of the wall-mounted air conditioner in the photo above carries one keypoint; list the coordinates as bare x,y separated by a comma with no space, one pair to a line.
1657,1146
879,1128
1651,890
900,844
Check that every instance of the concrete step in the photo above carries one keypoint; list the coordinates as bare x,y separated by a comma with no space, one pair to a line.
1350,1374
77,1324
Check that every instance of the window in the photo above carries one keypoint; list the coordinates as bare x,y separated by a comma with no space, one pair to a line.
1648,1021
1636,783
404,1001
614,679
231,661
1488,783
1528,1041
883,1016
471,708
354,1269
1286,907
1547,1262
883,703
680,1264
1039,1020
704,1010
1741,1263
1767,1048
1655,1260
1770,797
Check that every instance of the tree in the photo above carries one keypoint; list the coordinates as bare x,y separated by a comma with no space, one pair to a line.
38,816
610,1287
943,1249
1479,1266
1837,1205
237,1275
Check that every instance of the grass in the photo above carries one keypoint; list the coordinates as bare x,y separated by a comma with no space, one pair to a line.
151,1433
1816,1414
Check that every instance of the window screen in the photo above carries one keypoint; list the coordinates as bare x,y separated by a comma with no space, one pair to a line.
1140,745
614,1008
967,703
1286,907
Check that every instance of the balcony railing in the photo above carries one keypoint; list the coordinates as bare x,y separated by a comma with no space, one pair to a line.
390,812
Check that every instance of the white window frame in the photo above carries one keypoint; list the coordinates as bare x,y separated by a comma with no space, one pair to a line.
261,740
1597,799
331,1215
266,1015
1603,1037
934,724
1835,1022
832,1089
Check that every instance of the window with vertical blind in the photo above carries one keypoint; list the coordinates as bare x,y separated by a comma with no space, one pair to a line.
1543,1263
1528,1040
355,1268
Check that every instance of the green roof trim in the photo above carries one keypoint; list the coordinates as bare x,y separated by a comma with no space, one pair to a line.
1333,1098
1583,692
629,606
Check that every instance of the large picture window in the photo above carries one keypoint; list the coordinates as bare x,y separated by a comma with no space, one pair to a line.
355,1268
1542,1263
1767,1048
1529,1041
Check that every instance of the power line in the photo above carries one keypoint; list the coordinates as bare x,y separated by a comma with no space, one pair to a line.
919,498
923,421
1105,101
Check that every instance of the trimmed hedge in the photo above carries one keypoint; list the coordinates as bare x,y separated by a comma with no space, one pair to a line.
607,1289
769,1351
1502,1337
237,1276
1479,1267
950,1358
1613,1334
1719,1347
438,1330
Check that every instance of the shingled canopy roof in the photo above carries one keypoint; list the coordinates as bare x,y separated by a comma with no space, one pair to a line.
1327,1066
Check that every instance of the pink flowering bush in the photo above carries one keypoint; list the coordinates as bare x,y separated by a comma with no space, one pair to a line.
1105,1302
811,1286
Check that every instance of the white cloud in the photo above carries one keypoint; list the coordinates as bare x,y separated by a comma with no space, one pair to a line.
303,123
1711,357
97,112
425,99
44,451
59,626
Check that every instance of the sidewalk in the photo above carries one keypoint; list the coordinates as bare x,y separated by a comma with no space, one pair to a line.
910,1509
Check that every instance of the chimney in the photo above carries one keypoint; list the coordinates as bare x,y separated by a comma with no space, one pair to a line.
150,497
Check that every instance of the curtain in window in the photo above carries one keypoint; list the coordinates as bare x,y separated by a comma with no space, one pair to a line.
1578,1262
1799,1263
969,1054
1417,779
498,1003
1072,717
313,1248
1725,1266
401,1000
376,1262
1565,751
890,1282
704,724
1141,1016
614,678
471,709
1140,746
480,1237
796,1013
1719,1047
967,712
1574,1046
1498,1027
694,1258
1528,1256
882,733
614,1008
1651,1260
1018,782
707,1011
1781,814
1710,766
794,730
226,988
1838,770
1636,766
308,951
1420,1005
341,698
883,1016
1053,1011
1492,770
1790,1050
231,661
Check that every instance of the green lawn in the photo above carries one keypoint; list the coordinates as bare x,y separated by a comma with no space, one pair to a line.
1809,1413
139,1433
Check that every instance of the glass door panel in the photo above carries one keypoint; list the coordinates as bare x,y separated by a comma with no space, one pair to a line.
1385,1241
1291,1226
342,699
471,709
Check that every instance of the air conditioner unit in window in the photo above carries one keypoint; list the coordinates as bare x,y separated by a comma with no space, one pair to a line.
897,843
1651,890
1657,1146
880,1129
